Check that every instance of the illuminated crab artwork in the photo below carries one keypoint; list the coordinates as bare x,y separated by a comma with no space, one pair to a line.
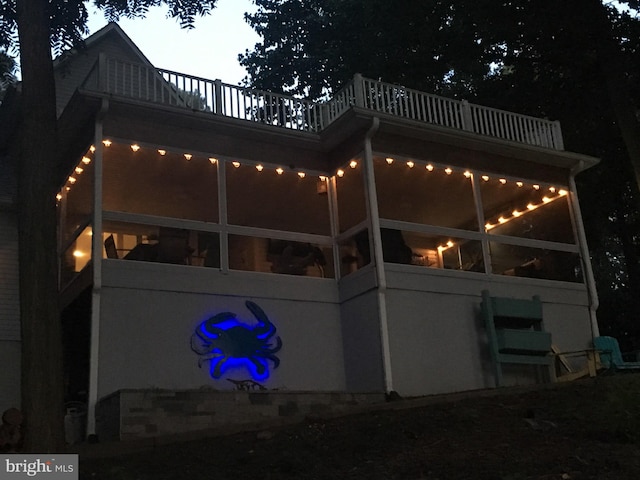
226,343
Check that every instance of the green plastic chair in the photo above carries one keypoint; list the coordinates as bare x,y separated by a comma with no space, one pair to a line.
610,355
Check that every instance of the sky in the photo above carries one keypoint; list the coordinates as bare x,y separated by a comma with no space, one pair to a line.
209,51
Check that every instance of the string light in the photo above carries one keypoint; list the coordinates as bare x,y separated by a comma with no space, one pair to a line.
429,167
86,160
389,160
213,160
279,171
340,173
448,171
107,143
353,164
78,170
519,184
92,149
485,178
410,164
162,152
322,178
302,174
467,174
72,180
135,147
236,164
503,181
188,156
259,167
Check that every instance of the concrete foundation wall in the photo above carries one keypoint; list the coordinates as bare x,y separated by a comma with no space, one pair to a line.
134,414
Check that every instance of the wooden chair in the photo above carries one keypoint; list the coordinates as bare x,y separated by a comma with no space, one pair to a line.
515,333
564,371
110,247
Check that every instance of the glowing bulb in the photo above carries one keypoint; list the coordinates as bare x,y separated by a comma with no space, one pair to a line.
519,184
59,197
449,244
531,206
135,147
429,167
353,164
322,178
213,160
86,160
516,213
259,168
536,187
340,173
448,171
546,199
279,171
485,178
467,174
92,148
107,143
162,152
302,174
488,226
502,220
188,156
503,181
410,164
78,170
552,189
562,192
235,164
389,160
72,180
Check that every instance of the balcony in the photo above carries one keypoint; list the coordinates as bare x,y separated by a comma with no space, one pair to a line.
146,83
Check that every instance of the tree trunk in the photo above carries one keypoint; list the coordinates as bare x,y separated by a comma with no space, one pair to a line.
42,385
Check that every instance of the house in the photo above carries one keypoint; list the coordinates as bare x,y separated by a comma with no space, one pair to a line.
213,236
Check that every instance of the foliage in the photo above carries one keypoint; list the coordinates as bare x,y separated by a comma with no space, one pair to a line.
575,61
7,72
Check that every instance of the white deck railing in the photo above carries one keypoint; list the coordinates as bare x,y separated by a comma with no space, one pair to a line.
147,83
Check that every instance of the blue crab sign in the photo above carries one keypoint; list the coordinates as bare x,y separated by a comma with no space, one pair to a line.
226,342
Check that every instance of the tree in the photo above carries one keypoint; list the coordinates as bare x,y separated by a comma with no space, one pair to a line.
41,24
7,72
577,61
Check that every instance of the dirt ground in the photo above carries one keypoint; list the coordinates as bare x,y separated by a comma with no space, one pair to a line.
583,430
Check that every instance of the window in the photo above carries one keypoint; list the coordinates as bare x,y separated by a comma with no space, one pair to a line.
160,183
276,198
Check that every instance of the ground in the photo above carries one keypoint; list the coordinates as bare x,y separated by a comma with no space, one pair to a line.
586,429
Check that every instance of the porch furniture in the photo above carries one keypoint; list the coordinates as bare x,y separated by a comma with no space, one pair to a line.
611,356
110,247
515,333
563,370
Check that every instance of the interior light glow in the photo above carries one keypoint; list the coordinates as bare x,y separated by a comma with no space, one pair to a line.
107,143
353,164
448,171
259,167
485,178
188,156
162,152
429,167
302,174
235,164
78,254
389,160
86,160
135,147
340,173
449,244
279,171
410,164
213,160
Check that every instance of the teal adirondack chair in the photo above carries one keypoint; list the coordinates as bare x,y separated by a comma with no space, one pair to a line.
610,355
